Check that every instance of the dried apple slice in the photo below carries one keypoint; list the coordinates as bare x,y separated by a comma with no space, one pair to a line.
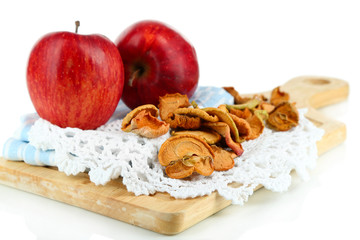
189,118
170,102
284,117
225,117
210,136
224,130
250,104
179,170
277,96
224,160
126,123
268,107
186,152
245,113
223,107
183,121
257,125
196,112
204,166
146,125
243,127
237,98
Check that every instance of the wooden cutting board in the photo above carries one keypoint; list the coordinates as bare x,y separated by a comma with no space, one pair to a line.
160,212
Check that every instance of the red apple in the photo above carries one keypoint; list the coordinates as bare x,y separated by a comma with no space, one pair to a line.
75,80
157,60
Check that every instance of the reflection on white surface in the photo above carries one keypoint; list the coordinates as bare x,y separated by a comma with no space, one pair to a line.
14,226
98,237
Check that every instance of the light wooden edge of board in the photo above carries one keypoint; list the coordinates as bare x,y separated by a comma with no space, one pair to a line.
125,206
160,212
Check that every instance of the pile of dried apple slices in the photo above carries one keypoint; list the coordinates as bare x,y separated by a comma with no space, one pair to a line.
205,140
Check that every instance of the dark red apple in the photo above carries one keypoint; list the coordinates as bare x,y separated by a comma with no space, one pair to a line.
157,60
75,80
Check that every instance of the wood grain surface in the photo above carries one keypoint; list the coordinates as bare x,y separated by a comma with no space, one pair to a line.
160,212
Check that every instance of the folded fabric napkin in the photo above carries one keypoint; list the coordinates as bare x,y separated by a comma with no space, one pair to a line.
17,148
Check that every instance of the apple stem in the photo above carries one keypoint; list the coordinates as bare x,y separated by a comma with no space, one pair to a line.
133,76
77,24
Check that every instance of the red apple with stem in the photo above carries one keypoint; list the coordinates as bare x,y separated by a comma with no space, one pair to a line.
157,60
75,80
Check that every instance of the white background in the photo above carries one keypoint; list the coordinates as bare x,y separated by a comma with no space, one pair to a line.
252,45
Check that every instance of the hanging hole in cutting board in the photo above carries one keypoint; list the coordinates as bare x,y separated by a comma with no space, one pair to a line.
318,81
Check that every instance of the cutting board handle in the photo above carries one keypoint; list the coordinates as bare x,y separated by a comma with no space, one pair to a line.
313,92
316,91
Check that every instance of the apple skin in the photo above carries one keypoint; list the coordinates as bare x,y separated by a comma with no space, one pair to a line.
75,80
157,60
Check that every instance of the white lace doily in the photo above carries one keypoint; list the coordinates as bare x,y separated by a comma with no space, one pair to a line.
108,153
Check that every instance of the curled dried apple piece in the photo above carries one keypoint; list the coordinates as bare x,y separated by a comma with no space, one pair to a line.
223,107
170,102
225,117
250,104
189,118
146,125
284,117
237,98
196,112
245,113
224,130
184,154
179,170
251,127
268,107
224,160
261,114
126,123
209,136
183,121
202,164
243,126
277,96
257,125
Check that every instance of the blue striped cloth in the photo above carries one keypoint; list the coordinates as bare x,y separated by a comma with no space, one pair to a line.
17,148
